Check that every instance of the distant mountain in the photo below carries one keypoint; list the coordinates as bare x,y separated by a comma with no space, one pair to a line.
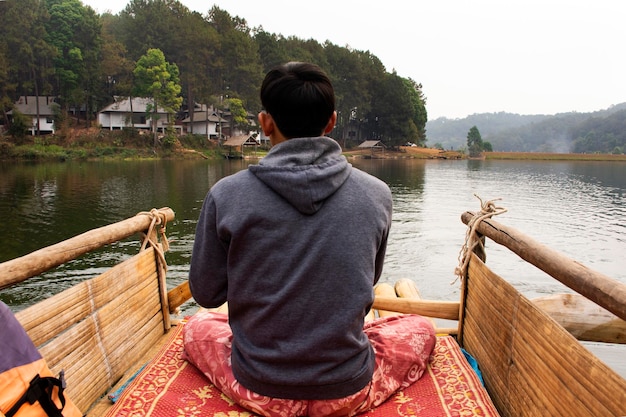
564,132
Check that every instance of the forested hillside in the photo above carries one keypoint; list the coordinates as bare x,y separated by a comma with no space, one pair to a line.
64,49
602,131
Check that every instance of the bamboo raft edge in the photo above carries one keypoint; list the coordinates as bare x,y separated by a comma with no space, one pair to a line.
404,297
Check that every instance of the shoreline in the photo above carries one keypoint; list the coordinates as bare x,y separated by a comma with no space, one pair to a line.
429,153
554,156
89,151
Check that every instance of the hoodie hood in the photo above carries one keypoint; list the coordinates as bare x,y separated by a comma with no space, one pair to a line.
304,171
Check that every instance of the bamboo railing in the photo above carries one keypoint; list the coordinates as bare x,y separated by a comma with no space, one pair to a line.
19,269
599,288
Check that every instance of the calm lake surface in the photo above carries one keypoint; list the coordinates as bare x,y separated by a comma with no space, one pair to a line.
578,208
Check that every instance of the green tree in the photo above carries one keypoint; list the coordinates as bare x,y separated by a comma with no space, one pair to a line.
420,115
26,60
474,142
305,50
19,126
353,74
391,118
116,65
89,40
238,73
238,113
195,59
270,49
5,87
600,134
158,79
145,24
185,37
62,48
74,30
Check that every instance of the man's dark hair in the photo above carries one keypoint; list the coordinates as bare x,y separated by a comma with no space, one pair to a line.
300,98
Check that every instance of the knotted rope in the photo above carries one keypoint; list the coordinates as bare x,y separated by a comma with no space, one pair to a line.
152,237
472,239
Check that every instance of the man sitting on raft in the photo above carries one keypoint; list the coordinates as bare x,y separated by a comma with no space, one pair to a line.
295,245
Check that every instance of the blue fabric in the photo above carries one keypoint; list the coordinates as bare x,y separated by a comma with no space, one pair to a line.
16,347
115,395
474,364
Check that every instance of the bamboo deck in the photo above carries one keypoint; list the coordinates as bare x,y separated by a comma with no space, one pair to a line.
103,404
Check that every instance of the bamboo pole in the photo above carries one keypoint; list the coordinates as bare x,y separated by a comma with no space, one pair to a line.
429,308
582,318
385,290
438,309
178,296
599,288
405,288
22,268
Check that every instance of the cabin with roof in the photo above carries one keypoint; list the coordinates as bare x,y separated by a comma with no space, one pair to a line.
40,109
237,144
125,113
375,146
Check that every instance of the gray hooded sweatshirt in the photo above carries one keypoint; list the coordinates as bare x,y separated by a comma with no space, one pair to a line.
295,244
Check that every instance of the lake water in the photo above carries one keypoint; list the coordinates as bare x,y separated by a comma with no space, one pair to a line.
578,208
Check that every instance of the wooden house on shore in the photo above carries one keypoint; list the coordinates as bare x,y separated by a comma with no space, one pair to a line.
206,122
376,147
237,144
125,112
40,110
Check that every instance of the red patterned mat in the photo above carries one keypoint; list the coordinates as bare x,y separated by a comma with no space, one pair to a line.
169,386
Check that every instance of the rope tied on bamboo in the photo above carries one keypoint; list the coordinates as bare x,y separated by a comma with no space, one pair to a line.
152,236
472,239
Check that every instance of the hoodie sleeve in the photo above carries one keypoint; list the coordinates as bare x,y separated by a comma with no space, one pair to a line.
380,256
208,278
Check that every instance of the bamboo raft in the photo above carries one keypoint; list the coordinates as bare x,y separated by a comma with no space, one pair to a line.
102,330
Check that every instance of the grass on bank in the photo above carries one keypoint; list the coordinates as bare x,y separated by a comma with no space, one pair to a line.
101,144
97,144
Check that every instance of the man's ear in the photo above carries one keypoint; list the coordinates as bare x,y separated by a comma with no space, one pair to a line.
267,123
331,123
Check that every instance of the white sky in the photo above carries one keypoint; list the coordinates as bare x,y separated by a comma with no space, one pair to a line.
526,57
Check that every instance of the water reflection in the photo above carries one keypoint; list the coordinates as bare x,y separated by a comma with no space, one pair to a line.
577,208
